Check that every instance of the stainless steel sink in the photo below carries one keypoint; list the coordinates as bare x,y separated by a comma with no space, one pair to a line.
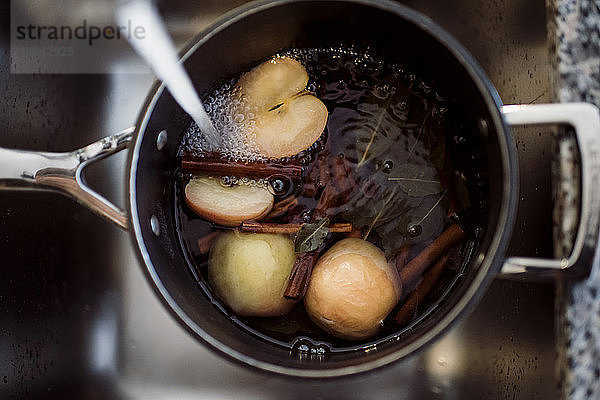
79,320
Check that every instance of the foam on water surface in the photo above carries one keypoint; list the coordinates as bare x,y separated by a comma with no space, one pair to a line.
234,122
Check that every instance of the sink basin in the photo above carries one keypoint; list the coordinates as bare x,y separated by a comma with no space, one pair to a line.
78,318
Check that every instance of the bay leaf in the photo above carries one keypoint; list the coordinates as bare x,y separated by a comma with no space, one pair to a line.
382,215
372,142
416,180
375,131
311,236
386,205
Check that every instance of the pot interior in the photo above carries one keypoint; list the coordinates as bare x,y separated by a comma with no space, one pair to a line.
241,41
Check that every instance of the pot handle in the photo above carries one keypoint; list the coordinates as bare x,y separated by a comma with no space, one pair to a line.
61,172
585,119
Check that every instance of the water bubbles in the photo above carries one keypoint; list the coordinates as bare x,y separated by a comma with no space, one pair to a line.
414,230
387,166
316,146
232,120
231,181
305,348
227,181
383,90
306,216
458,139
278,186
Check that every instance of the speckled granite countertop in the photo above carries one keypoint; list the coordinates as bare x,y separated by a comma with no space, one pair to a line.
575,30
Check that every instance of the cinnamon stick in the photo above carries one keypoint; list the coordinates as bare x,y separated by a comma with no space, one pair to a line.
255,169
282,207
402,256
415,268
287,229
410,306
300,275
355,233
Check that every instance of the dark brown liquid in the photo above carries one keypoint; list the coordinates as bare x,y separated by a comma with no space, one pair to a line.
398,135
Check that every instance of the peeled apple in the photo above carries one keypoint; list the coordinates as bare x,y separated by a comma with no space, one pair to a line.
352,290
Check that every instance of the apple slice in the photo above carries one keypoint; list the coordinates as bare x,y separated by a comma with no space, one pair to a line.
287,118
273,82
225,205
290,128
